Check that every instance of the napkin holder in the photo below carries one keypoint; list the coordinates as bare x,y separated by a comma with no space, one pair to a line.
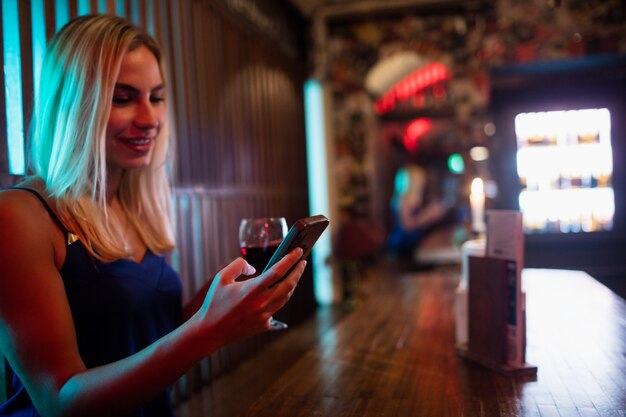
496,317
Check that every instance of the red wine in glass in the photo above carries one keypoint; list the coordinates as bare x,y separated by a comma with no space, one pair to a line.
258,239
257,256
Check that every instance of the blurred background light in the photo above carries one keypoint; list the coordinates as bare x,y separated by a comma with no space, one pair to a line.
479,153
456,165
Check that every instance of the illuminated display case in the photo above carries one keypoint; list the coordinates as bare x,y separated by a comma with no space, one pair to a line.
565,167
557,157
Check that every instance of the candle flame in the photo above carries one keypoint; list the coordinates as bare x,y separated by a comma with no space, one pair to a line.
477,186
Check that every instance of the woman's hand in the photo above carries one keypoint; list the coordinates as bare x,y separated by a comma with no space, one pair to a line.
235,309
198,298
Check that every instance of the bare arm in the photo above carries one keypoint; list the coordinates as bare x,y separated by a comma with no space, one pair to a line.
37,332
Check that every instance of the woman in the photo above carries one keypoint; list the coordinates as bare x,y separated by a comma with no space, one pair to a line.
413,217
91,320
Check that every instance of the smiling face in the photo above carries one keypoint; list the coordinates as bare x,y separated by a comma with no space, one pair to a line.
137,112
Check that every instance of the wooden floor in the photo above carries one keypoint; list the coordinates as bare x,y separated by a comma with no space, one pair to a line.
394,355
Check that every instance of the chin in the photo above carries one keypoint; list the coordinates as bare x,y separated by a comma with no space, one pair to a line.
137,165
129,165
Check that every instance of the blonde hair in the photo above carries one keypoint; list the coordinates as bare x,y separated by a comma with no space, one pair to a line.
67,138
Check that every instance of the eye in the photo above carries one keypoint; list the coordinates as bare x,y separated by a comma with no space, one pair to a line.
121,99
157,99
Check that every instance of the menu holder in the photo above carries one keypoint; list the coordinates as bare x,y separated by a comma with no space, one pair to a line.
493,317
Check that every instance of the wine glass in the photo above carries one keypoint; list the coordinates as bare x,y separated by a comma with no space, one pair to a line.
258,239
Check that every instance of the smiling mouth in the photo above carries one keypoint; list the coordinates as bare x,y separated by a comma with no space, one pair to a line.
136,141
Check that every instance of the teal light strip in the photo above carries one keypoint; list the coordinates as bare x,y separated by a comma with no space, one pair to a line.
84,7
120,8
102,6
150,18
13,86
134,12
61,13
318,186
39,38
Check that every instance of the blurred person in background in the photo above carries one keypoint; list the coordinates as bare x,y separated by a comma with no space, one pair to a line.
413,216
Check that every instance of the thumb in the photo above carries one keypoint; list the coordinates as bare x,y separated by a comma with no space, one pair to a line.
234,269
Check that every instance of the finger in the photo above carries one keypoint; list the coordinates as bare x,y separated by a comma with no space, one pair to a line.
215,274
282,292
234,269
289,282
225,264
280,268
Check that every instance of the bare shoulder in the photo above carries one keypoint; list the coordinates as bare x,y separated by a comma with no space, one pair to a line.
19,208
26,225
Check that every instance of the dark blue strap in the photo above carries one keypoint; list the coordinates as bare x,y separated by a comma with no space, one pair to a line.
47,206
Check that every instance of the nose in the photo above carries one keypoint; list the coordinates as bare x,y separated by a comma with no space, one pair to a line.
146,116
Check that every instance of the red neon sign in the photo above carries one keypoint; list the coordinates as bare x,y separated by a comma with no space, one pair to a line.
409,86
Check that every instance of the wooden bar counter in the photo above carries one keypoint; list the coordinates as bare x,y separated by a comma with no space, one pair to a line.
394,355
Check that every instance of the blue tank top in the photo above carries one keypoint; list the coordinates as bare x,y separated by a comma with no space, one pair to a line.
403,241
118,309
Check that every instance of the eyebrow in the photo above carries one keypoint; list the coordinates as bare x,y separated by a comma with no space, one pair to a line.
132,89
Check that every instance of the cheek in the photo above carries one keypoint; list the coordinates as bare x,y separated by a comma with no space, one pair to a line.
117,122
161,115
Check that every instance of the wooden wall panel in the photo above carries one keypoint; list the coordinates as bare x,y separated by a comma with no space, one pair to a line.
238,131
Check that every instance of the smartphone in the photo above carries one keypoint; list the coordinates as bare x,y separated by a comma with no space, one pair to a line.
303,233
